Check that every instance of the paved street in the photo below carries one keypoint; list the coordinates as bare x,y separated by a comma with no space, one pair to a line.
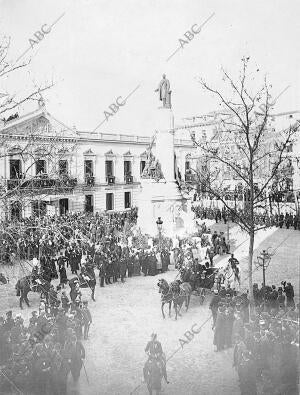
125,315
284,243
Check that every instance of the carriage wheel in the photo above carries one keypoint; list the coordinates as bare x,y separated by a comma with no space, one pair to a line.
228,273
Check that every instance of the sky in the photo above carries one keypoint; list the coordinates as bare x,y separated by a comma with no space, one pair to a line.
99,51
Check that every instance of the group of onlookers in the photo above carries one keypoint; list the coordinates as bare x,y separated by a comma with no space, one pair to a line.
287,220
265,338
37,358
35,236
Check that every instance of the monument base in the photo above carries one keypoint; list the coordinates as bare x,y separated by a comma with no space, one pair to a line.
163,199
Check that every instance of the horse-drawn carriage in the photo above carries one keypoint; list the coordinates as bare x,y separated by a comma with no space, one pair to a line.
201,282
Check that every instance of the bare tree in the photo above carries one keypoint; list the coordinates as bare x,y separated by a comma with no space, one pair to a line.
245,146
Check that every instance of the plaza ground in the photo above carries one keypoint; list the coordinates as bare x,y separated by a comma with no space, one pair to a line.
125,315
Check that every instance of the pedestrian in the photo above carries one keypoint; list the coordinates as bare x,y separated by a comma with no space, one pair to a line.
87,320
219,336
247,374
289,292
214,307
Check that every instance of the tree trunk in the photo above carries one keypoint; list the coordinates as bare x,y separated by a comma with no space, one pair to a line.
250,260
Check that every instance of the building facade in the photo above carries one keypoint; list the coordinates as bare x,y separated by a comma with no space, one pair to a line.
49,168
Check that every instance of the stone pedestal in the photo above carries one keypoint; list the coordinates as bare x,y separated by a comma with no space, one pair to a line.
164,199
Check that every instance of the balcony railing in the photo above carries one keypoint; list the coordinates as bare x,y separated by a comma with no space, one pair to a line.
39,183
190,177
111,180
128,179
89,180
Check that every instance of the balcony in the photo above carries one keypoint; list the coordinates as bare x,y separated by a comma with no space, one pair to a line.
39,184
111,180
89,180
189,177
128,179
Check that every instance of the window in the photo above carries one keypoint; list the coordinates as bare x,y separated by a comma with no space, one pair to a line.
142,166
88,167
40,166
127,168
187,167
15,168
89,204
62,167
16,211
109,201
39,208
109,168
127,199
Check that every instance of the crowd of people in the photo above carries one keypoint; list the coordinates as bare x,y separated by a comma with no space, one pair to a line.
38,358
265,339
287,220
37,236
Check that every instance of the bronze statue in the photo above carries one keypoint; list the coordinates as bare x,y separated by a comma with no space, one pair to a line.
152,168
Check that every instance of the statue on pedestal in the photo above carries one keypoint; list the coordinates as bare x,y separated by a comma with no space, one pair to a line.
164,92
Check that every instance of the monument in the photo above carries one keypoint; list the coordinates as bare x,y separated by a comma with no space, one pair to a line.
160,195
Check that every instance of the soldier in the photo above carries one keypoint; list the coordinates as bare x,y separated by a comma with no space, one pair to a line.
123,268
154,350
102,272
74,352
130,264
62,260
52,298
64,301
115,268
87,320
295,222
247,374
281,221
41,371
9,322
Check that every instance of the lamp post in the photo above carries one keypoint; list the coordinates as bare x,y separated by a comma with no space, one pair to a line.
159,224
263,261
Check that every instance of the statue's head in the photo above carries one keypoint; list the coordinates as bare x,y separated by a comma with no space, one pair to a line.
164,76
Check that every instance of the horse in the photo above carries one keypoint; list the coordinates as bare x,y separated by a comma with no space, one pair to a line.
31,283
177,293
229,271
153,374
